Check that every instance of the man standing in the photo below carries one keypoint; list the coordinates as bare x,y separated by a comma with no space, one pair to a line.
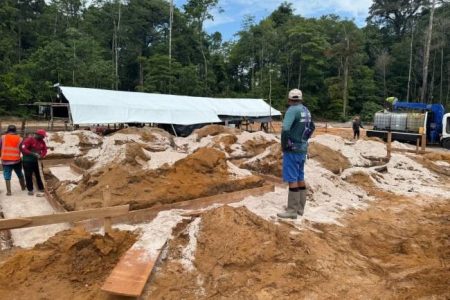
297,129
356,125
33,149
10,156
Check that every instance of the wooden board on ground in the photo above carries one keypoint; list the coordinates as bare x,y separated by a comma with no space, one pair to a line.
129,276
65,217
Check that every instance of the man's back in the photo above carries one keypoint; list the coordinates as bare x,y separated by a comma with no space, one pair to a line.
295,122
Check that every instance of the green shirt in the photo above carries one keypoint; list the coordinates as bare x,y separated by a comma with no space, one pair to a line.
297,129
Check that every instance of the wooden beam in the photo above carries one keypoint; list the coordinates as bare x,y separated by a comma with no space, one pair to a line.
65,217
106,201
423,144
389,144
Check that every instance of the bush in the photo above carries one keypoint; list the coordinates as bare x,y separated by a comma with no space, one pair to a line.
368,111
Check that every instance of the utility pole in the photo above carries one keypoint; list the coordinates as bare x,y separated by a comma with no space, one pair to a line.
170,44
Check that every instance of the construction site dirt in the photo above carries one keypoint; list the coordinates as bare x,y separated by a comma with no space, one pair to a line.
373,227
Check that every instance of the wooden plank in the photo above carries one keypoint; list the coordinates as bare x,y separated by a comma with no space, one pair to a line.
389,145
65,217
106,201
129,276
13,223
53,202
423,144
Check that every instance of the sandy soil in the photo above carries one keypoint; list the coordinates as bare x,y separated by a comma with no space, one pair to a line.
372,228
398,248
71,265
203,173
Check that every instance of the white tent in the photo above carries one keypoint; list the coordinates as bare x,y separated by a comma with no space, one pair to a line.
92,106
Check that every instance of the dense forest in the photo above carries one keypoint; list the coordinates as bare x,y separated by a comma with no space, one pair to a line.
129,45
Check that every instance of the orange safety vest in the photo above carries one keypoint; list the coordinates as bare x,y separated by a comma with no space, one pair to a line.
11,147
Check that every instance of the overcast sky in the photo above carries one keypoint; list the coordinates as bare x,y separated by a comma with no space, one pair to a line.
230,21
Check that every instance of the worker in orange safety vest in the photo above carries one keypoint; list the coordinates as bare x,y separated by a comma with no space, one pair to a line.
10,144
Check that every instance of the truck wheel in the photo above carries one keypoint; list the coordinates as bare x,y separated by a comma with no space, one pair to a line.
446,144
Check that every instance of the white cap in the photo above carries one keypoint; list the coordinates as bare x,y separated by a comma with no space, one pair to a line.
295,95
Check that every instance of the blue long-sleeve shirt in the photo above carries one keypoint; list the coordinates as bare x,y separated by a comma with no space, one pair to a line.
297,129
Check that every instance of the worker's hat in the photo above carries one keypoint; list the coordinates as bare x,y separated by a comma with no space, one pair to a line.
41,132
11,128
295,95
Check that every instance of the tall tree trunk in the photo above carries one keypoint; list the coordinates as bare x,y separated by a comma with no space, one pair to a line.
261,63
410,62
299,83
288,72
206,69
448,84
141,69
432,79
442,74
170,45
19,42
346,65
345,94
117,48
113,55
384,81
427,54
73,67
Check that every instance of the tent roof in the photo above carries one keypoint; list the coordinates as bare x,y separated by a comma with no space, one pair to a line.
90,106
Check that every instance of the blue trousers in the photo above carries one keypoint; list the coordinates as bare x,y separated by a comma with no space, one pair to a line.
8,169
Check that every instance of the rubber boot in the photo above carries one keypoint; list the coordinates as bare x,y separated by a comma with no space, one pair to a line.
302,202
8,187
292,207
22,183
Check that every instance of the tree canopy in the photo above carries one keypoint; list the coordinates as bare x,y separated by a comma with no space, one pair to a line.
341,68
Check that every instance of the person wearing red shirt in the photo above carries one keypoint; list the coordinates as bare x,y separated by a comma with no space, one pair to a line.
33,149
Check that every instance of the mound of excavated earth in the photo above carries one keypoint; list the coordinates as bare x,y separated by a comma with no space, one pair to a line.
73,264
203,173
231,253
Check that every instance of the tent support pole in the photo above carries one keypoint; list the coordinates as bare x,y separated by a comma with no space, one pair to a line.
174,131
69,113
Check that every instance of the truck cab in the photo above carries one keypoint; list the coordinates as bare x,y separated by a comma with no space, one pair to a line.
445,137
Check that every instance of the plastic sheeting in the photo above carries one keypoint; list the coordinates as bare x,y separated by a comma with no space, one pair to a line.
95,106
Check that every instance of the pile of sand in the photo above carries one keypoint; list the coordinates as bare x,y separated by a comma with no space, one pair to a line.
203,173
438,156
360,153
236,254
380,253
71,143
73,264
213,130
328,158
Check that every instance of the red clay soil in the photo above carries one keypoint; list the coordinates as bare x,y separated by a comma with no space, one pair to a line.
71,265
398,248
203,173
